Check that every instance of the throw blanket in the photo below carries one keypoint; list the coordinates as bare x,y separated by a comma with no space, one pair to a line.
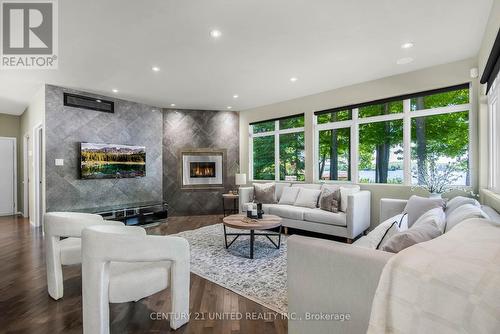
447,285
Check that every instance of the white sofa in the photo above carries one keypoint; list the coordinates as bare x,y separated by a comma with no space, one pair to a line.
328,277
349,224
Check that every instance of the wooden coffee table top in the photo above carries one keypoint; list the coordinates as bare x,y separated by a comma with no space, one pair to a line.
237,221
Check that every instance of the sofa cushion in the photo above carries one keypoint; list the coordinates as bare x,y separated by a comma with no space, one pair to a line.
279,189
287,211
307,198
374,238
264,192
417,206
316,186
462,213
458,201
344,193
426,228
329,200
325,217
289,196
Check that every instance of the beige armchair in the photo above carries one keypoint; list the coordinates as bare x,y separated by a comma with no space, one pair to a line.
123,264
63,232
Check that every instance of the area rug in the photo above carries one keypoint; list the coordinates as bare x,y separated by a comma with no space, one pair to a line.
262,279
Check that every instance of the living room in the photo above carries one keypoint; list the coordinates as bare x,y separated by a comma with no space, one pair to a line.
243,167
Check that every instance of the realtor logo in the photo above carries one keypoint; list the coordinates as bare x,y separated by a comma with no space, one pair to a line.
29,34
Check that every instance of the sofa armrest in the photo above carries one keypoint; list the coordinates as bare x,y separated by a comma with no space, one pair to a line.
246,196
330,277
358,213
390,207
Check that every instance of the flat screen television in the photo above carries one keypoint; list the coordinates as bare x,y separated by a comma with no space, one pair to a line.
111,161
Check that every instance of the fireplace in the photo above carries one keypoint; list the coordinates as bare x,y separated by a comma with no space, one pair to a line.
202,169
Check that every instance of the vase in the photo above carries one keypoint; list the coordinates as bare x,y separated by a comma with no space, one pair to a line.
435,195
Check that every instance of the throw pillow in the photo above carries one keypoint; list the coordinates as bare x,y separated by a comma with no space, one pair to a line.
462,213
458,201
374,238
307,198
344,193
264,192
329,199
417,206
289,195
424,229
392,230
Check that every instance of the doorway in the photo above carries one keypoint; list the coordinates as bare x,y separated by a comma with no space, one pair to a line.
8,177
38,175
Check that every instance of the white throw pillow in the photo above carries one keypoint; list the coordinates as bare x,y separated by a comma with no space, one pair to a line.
307,198
289,195
374,238
417,206
462,213
458,201
344,192
434,216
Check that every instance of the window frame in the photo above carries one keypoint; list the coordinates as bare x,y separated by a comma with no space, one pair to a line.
407,115
493,135
276,133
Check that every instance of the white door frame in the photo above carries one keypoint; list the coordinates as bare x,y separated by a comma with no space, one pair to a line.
14,142
37,171
26,175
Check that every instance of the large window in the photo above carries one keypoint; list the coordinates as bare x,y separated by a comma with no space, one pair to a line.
278,149
396,140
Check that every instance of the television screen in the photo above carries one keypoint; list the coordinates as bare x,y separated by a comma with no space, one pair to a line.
110,161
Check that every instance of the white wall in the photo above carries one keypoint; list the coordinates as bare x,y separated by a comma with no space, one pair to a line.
32,117
429,78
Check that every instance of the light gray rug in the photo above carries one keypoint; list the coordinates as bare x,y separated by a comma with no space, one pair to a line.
262,279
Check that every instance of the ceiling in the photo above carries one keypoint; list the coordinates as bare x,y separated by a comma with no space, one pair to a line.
326,44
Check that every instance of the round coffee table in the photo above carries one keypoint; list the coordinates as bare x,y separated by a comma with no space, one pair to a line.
238,222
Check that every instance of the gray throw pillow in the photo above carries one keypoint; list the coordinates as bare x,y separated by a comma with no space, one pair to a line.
330,200
417,206
424,229
264,192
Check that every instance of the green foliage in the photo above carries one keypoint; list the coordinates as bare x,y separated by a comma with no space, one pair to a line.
394,107
336,116
292,156
343,138
263,127
452,98
263,158
292,122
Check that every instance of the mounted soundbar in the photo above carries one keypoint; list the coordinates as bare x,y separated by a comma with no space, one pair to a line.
86,102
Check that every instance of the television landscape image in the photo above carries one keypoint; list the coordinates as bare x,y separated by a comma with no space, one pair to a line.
111,161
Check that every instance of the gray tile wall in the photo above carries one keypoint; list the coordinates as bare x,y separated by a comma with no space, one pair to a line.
197,129
130,124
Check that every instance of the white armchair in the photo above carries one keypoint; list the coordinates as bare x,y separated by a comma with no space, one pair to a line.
123,264
66,251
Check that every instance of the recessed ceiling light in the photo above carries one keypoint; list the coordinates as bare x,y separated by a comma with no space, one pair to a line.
293,79
404,61
155,69
98,101
235,96
215,33
172,104
229,107
114,90
407,45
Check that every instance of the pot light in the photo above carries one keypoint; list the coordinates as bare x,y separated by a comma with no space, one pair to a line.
155,69
172,104
235,96
98,101
229,107
293,79
407,45
404,61
215,33
114,90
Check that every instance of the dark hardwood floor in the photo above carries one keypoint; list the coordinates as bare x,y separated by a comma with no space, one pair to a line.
25,306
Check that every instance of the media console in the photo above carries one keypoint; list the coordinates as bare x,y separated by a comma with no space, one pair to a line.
144,213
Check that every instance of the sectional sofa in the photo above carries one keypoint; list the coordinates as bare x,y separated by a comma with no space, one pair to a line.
348,224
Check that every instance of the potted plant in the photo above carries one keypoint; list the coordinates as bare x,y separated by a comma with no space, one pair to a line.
437,178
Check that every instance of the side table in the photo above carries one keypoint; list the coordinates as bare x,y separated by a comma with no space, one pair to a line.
235,208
